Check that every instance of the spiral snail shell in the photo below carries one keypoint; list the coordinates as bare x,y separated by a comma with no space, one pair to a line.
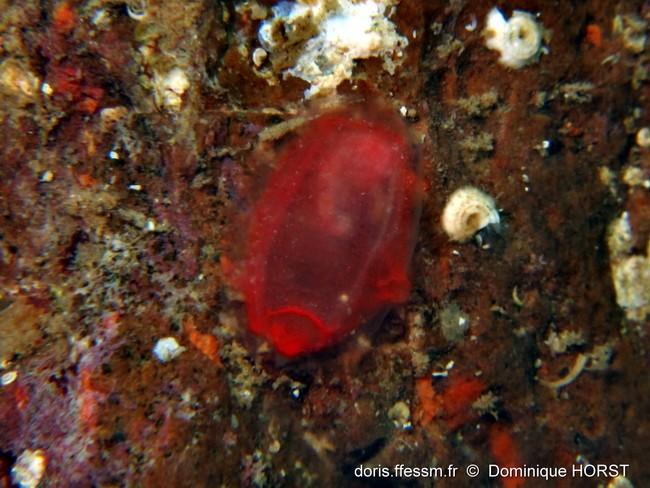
467,211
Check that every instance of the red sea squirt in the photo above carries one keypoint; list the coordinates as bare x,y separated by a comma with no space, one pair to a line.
333,232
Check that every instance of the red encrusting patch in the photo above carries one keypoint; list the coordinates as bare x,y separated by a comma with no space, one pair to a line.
69,81
64,18
205,343
22,397
594,35
332,234
458,399
505,453
429,404
86,180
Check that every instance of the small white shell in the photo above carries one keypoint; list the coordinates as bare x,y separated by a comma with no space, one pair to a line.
468,210
29,468
643,137
519,40
167,349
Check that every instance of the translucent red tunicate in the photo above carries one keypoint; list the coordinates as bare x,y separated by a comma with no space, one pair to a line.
332,234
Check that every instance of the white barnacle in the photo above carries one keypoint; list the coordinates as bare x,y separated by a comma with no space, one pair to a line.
467,211
166,349
29,468
169,87
643,137
518,40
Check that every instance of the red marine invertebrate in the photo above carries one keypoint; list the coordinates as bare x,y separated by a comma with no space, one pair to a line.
332,234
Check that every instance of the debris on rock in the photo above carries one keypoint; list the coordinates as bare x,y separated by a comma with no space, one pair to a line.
320,41
630,272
